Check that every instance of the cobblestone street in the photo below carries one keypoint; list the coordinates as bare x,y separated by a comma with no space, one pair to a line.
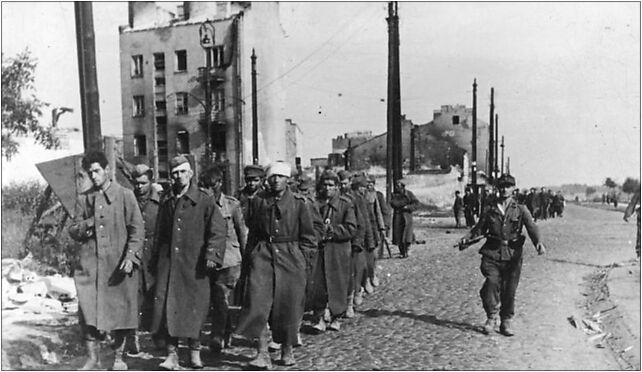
426,314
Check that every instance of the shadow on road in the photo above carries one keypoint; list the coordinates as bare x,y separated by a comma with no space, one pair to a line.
576,263
424,318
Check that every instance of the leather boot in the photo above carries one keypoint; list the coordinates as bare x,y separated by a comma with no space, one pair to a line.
93,356
133,344
489,326
262,360
119,363
505,328
287,358
195,359
171,362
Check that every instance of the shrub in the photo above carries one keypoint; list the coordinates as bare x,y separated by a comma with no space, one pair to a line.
49,244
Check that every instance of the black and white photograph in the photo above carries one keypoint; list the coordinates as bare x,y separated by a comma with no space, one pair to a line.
321,185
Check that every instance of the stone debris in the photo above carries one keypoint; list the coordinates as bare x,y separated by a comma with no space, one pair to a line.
25,291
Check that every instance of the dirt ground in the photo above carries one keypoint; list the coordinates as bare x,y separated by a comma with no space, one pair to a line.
589,268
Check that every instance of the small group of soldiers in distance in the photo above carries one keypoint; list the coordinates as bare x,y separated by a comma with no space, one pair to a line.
541,204
164,262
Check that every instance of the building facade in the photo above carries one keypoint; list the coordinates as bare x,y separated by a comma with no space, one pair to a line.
439,144
447,139
163,58
341,143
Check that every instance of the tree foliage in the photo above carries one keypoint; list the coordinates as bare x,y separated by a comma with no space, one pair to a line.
630,185
21,109
608,182
590,190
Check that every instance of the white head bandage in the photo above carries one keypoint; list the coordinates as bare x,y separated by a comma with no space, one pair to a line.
280,168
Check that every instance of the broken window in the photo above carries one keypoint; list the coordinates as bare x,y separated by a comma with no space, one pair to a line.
455,119
182,142
181,60
159,61
181,103
140,145
138,106
137,66
159,81
217,55
218,101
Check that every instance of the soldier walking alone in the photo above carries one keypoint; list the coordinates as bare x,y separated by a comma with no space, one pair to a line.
501,223
403,202
457,207
110,227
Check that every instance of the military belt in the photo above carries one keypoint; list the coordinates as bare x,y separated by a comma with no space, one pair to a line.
281,239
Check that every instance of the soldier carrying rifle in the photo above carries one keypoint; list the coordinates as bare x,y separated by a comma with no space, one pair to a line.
501,224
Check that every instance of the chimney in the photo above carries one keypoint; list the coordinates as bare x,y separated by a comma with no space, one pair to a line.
180,12
130,14
186,10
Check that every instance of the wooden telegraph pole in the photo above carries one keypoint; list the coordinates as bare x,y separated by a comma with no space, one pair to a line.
497,174
474,145
502,146
491,137
255,115
394,152
89,100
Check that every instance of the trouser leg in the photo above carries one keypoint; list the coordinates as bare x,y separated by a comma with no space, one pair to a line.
222,285
511,275
489,292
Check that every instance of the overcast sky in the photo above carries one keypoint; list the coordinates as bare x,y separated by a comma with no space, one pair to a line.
566,75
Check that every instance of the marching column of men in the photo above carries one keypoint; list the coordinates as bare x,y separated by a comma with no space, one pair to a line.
165,263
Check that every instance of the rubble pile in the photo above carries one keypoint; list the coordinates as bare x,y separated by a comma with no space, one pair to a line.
26,292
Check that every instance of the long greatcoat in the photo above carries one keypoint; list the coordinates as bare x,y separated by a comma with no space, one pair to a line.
280,230
189,231
332,273
403,203
110,227
149,209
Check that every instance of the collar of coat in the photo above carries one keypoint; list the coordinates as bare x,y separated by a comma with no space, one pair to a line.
152,195
109,192
333,202
511,204
191,193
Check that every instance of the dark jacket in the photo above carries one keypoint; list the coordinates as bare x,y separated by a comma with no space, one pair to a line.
504,231
332,272
110,228
189,231
403,204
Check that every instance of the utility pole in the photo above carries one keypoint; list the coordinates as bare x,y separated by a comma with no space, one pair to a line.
206,35
496,146
394,151
502,169
491,137
89,99
255,115
413,148
474,154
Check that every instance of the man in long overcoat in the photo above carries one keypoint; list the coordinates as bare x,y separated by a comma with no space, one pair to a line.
110,227
148,201
403,203
191,235
280,229
332,272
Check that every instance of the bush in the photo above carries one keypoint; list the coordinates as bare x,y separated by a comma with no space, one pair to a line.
49,244
24,197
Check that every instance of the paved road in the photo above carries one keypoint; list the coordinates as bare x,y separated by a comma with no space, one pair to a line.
426,314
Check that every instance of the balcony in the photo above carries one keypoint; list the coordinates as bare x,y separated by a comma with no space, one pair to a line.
217,75
216,118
